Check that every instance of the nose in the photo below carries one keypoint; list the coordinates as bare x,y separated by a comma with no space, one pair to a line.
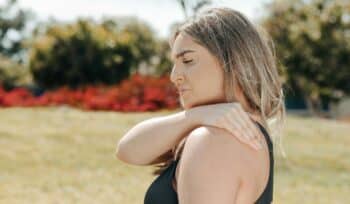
176,77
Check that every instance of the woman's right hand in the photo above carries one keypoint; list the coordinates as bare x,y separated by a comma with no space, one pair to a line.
233,118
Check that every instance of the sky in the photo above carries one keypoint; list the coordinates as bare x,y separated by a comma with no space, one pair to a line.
159,14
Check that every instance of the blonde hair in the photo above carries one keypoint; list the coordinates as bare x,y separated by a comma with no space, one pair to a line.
246,54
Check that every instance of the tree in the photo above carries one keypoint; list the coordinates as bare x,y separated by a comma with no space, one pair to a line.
312,41
13,23
87,52
142,40
190,7
163,62
13,73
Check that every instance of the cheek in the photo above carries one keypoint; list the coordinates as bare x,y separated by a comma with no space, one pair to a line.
209,80
208,87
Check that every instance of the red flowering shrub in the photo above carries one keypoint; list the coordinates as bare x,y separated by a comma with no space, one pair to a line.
138,93
17,97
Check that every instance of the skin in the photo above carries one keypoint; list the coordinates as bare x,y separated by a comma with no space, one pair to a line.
214,168
197,71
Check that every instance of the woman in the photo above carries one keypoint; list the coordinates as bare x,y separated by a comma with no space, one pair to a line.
229,87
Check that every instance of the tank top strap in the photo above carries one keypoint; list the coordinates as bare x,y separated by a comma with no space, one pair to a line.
267,195
172,174
266,135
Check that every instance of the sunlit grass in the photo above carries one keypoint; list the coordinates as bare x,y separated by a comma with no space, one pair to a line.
65,155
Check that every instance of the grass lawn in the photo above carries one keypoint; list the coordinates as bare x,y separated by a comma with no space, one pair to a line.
65,155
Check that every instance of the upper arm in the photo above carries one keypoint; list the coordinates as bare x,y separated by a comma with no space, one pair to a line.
209,171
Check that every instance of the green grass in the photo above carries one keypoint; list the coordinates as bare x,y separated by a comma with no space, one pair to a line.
65,155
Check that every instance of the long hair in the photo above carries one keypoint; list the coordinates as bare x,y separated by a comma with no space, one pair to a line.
246,54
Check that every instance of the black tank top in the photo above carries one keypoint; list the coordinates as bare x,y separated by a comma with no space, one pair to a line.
161,190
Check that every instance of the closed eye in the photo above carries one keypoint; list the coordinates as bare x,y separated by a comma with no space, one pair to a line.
187,61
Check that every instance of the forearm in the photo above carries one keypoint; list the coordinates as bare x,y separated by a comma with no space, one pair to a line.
151,138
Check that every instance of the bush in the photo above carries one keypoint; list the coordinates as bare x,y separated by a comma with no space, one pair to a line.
89,53
12,73
138,93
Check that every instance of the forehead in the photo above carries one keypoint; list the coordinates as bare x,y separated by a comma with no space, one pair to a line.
182,43
182,38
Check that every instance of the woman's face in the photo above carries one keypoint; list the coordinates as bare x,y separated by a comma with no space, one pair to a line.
197,72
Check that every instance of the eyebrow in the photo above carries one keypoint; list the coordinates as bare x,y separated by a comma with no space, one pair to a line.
182,53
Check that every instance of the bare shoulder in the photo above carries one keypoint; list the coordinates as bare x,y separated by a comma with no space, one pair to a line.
226,163
219,144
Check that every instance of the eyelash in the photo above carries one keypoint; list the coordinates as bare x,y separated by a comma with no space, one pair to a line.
186,62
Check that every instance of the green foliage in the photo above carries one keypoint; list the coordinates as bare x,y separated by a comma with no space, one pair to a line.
12,73
142,40
162,63
313,44
12,25
87,52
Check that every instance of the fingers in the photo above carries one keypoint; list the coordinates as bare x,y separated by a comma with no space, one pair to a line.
236,133
240,133
255,131
248,117
252,116
246,127
234,128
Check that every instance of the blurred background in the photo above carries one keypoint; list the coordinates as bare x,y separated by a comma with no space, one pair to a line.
76,75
